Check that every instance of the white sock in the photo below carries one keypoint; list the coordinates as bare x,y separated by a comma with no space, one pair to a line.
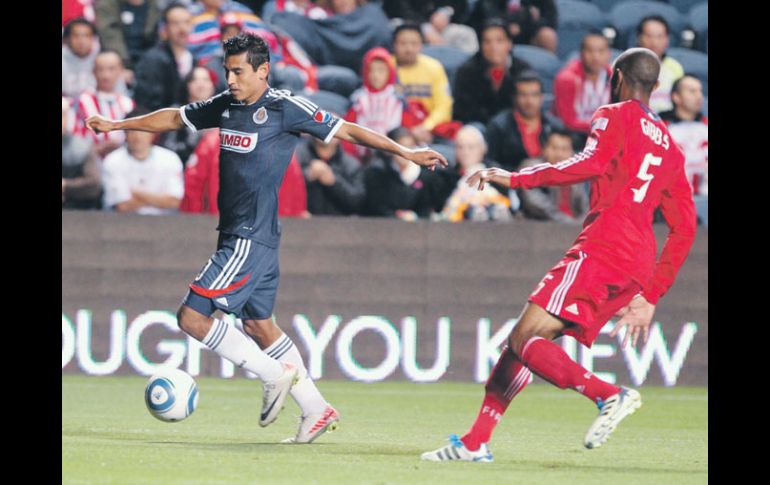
305,392
236,347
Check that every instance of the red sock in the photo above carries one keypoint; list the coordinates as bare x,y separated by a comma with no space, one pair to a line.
508,378
550,362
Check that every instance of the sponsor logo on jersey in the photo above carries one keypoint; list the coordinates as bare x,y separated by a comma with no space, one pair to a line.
226,113
322,116
260,117
237,141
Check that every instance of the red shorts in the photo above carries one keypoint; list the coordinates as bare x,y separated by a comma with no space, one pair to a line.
585,292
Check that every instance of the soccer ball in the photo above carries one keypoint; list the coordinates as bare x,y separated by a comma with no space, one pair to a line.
171,395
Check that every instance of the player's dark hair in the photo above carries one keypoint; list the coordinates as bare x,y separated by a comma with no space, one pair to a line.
138,110
408,26
640,68
171,6
593,33
495,23
651,18
78,21
675,86
527,76
255,46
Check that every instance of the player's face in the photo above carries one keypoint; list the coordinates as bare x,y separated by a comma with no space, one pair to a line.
244,82
690,95
200,86
469,149
496,46
406,47
81,40
529,98
178,26
595,54
654,37
378,74
557,149
107,69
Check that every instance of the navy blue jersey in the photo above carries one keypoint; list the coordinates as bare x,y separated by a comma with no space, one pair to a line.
256,145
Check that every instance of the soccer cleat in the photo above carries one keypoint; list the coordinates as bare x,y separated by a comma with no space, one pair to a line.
611,413
456,450
274,394
314,425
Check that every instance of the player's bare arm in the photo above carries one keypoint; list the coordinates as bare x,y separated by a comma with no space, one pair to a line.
495,175
364,136
165,119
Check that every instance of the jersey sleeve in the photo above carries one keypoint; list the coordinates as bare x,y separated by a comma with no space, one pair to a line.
205,114
303,116
602,145
678,209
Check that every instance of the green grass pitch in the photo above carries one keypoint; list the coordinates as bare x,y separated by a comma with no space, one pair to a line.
109,437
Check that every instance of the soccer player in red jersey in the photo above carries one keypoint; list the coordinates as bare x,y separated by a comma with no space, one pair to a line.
634,167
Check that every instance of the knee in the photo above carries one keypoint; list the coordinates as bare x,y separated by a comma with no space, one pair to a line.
188,320
523,333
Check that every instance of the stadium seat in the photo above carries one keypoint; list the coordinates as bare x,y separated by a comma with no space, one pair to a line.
693,62
684,6
449,57
338,79
604,5
576,13
698,19
626,15
330,102
541,60
576,19
548,99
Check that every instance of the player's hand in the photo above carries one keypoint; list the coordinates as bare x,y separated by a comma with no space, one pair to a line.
497,175
427,158
99,124
636,317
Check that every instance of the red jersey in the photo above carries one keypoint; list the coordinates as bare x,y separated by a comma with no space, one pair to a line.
634,166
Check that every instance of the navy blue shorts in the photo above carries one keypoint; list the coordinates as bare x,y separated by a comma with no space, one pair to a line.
240,278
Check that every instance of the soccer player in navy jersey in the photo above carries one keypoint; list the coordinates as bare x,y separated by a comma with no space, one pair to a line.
634,167
259,129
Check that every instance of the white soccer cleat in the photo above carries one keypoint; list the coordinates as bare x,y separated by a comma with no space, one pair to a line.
314,425
611,413
274,394
456,450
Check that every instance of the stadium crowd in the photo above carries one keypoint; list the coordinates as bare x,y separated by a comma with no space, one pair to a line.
507,83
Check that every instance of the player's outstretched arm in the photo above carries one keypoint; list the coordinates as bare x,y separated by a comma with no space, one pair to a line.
360,135
495,175
165,119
